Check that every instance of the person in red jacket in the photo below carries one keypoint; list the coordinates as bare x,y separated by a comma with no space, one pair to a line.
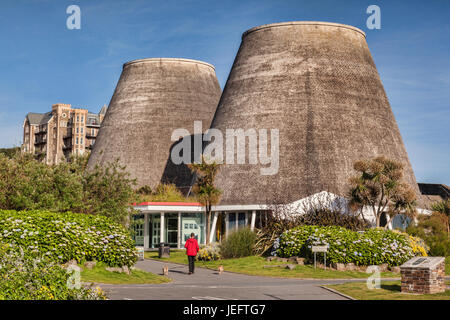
191,251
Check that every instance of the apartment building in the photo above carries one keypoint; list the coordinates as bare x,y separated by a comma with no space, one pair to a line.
55,135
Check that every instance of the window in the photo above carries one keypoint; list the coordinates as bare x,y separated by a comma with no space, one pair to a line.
81,129
78,118
81,141
93,132
76,141
241,219
77,129
82,118
231,221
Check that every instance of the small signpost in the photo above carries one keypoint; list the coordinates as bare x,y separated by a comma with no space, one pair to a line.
323,249
140,253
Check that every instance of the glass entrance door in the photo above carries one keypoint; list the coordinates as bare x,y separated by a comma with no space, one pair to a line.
171,232
138,229
192,222
155,238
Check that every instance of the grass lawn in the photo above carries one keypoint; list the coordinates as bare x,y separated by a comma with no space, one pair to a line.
254,265
390,290
99,274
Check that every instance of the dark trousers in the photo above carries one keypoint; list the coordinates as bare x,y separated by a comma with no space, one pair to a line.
191,263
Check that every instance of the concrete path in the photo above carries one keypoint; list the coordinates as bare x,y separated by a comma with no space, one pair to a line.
206,284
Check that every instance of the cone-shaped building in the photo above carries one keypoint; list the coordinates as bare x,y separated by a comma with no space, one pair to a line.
317,84
153,98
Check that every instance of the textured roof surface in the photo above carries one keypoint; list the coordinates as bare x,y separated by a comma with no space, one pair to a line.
317,84
153,98
38,118
434,192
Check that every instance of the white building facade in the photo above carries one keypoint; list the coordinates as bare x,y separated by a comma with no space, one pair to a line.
173,222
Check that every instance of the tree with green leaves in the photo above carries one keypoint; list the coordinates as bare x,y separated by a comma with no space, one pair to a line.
29,184
379,186
108,190
10,152
204,188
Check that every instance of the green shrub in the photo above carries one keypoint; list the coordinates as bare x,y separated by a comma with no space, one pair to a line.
238,244
144,190
433,229
65,236
31,277
442,207
209,252
161,193
28,184
440,246
372,247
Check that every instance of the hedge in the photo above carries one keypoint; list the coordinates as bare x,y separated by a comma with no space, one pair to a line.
371,247
65,236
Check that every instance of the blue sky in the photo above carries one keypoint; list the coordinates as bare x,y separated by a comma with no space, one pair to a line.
42,62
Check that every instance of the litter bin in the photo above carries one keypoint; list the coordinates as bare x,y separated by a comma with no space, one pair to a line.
164,250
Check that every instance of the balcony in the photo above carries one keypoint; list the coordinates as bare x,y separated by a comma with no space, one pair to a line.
93,124
40,141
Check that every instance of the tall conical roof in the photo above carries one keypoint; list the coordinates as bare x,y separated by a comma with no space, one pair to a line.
153,98
317,83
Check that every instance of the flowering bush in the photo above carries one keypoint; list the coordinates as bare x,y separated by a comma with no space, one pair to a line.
419,246
61,237
209,252
31,277
371,247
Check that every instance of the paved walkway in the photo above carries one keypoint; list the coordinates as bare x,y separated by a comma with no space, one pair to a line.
206,284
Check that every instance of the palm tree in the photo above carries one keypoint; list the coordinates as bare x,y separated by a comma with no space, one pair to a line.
378,185
204,188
